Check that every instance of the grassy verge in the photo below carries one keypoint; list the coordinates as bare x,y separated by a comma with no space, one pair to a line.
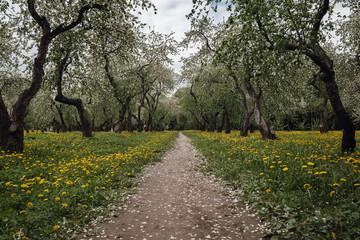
62,181
301,183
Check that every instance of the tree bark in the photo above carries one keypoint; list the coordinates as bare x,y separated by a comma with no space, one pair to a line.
327,75
119,125
86,126
259,119
247,113
61,116
227,124
129,121
246,123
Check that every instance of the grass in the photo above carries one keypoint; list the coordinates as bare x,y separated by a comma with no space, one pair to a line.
301,184
63,181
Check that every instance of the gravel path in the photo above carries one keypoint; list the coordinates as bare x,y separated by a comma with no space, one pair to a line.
175,201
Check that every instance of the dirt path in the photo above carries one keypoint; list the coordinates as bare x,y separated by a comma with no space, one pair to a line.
175,201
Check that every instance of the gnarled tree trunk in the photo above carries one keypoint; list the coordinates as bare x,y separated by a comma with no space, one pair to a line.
265,131
247,114
327,75
85,124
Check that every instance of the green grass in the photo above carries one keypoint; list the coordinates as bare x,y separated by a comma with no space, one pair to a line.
63,181
301,184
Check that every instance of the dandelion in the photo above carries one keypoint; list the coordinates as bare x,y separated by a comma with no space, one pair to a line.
333,234
335,184
308,186
21,212
343,180
304,166
323,172
285,169
261,174
29,204
63,193
310,163
271,166
268,190
332,193
64,205
57,199
357,184
56,227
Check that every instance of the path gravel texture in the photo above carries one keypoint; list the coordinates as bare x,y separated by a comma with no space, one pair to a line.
175,200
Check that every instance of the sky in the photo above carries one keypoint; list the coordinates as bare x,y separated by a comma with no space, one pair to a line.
171,17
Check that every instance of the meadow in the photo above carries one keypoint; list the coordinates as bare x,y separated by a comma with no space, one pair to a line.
63,181
301,184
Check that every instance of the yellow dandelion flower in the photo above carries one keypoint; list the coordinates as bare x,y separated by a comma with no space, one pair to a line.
335,184
332,193
343,180
357,184
56,227
57,199
63,193
64,205
285,169
268,190
310,163
29,204
308,186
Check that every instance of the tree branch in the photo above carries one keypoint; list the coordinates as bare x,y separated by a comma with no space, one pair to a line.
61,28
42,21
318,18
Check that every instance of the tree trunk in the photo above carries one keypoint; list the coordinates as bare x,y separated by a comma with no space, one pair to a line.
259,119
227,124
246,123
139,124
149,123
247,114
61,115
129,121
221,126
120,124
348,142
86,127
327,75
324,128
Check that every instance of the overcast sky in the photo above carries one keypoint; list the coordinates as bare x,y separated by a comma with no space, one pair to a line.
171,17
